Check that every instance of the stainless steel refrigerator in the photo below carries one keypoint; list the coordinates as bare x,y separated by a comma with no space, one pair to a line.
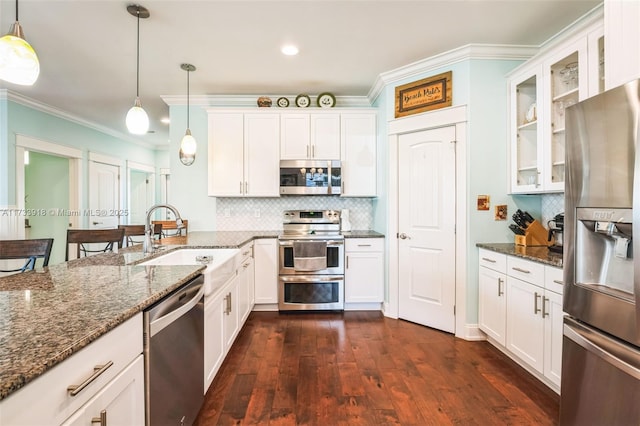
601,340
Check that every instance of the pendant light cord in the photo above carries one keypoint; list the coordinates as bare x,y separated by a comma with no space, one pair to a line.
188,98
137,58
17,11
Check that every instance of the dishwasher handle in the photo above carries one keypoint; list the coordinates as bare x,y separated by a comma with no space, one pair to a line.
158,324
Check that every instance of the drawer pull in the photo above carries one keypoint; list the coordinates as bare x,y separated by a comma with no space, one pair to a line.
246,265
524,271
102,419
486,259
500,282
535,302
558,282
544,311
97,371
364,245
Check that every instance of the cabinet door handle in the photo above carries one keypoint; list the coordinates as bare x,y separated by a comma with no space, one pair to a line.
246,265
524,271
535,302
102,419
246,188
307,151
313,151
226,305
240,187
486,259
347,262
97,371
544,311
229,302
500,282
558,282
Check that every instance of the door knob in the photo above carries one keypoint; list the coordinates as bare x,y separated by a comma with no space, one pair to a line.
404,236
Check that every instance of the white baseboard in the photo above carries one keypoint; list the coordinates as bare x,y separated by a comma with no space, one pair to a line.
471,332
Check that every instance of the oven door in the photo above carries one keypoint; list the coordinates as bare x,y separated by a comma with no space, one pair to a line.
335,259
310,292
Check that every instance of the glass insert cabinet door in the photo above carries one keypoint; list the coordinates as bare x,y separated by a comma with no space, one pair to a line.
526,135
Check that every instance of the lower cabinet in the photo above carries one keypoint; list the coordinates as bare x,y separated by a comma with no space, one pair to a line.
265,254
246,290
111,370
121,402
521,310
364,270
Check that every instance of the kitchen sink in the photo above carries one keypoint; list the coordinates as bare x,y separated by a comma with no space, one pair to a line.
221,264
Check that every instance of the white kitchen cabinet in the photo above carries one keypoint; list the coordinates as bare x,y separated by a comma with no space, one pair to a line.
121,402
265,253
243,154
246,292
492,285
358,154
539,92
364,270
47,400
215,308
622,41
310,136
520,308
231,321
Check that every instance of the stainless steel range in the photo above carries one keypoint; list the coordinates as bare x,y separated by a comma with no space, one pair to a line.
311,261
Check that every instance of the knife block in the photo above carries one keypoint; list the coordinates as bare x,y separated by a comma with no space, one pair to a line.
534,235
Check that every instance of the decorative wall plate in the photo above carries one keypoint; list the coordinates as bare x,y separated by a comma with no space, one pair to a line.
282,102
326,100
303,101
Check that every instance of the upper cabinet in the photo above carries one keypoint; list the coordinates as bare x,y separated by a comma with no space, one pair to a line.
359,158
622,43
540,90
243,154
310,136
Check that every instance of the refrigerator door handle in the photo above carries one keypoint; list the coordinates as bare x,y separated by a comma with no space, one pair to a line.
581,337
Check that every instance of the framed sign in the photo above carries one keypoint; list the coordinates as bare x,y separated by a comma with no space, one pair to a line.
424,95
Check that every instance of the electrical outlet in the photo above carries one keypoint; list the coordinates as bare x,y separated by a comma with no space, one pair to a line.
256,213
227,213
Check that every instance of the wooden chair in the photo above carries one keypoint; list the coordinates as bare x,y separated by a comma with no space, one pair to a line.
131,231
170,229
80,237
26,249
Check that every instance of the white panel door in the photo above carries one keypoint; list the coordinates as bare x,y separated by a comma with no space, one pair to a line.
141,196
104,195
426,214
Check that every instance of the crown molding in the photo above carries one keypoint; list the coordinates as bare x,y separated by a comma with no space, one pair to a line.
246,101
459,54
12,96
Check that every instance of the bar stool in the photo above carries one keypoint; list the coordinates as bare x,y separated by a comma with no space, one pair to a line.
30,250
170,229
138,230
80,237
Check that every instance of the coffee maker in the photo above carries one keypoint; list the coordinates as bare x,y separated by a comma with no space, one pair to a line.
556,226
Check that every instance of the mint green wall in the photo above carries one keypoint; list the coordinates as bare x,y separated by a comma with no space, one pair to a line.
47,186
27,121
189,184
482,86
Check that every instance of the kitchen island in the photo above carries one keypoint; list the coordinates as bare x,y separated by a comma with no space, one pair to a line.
49,314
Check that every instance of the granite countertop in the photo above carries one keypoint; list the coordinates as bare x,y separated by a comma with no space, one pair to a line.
539,254
362,234
51,313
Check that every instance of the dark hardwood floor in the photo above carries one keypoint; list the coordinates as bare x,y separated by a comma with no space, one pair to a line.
360,368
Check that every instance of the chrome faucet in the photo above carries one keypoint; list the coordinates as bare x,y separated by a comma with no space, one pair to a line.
147,245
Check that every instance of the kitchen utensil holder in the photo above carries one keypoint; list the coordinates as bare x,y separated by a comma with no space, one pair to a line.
534,235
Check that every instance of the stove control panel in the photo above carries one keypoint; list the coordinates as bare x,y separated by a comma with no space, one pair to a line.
311,216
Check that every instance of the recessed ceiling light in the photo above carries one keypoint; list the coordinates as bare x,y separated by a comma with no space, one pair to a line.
289,50
165,120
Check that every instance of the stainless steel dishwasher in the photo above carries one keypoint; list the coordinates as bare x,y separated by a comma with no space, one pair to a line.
174,356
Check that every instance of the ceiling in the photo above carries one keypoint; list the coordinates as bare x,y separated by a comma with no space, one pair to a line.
87,48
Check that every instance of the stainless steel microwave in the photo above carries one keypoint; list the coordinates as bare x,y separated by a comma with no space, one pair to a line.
310,177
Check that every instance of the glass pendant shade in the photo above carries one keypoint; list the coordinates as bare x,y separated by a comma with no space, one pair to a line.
137,119
188,147
18,61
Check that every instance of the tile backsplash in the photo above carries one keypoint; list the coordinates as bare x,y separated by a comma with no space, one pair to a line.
551,205
265,214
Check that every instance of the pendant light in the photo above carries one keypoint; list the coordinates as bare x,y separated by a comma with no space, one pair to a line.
137,119
18,61
188,144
